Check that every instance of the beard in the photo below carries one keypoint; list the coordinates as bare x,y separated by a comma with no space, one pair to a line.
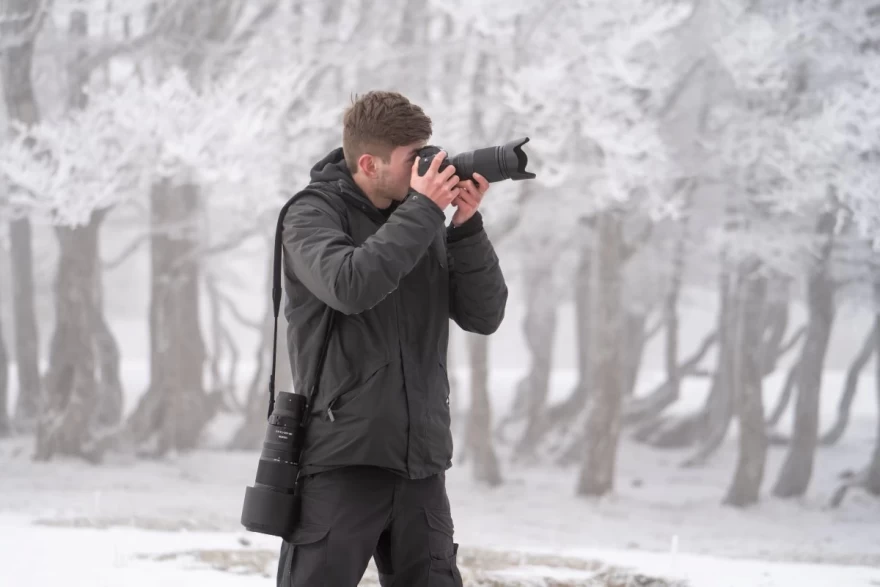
391,190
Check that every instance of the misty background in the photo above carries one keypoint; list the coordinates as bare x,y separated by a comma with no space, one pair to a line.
689,357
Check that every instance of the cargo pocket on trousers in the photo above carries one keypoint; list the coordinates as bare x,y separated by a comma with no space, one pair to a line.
307,558
444,568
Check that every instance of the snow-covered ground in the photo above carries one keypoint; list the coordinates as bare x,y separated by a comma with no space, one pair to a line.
37,555
175,522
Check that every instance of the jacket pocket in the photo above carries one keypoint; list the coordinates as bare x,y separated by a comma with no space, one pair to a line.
444,567
439,420
440,533
347,396
445,381
307,557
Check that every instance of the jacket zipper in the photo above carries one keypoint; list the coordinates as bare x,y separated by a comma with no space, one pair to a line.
330,408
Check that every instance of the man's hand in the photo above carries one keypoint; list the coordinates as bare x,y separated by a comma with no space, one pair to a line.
469,199
438,186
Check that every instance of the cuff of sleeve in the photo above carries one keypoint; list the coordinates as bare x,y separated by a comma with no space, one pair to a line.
469,228
419,199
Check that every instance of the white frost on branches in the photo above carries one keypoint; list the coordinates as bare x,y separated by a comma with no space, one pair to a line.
766,138
66,169
584,79
846,146
228,132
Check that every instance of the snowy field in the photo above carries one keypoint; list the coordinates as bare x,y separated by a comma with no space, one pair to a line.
175,522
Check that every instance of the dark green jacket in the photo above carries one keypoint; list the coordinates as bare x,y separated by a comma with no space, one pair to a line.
383,397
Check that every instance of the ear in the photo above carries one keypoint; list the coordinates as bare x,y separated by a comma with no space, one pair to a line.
368,166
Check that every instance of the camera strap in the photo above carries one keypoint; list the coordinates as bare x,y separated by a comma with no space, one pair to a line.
276,303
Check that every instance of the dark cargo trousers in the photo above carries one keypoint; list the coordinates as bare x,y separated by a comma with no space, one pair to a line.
354,513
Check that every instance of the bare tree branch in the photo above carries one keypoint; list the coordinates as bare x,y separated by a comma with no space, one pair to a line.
225,300
230,243
654,329
795,338
263,16
108,51
127,252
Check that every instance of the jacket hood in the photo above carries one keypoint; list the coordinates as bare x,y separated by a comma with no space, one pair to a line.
332,169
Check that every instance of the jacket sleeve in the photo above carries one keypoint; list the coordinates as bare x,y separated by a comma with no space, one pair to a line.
348,277
477,289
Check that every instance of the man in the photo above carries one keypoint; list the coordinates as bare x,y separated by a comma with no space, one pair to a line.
374,248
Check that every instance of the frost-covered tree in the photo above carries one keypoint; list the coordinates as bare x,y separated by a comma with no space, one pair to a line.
83,390
238,124
773,225
20,22
763,230
843,145
600,105
155,138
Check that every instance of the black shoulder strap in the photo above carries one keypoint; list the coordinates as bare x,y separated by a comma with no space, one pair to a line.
276,299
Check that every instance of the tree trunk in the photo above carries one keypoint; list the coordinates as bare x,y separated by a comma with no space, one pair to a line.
670,315
84,364
175,409
177,350
851,386
713,419
5,424
670,310
110,396
218,338
251,434
794,478
785,397
872,480
869,478
67,425
479,429
748,374
223,341
26,334
777,325
16,64
561,416
718,411
539,330
634,342
583,321
667,393
606,395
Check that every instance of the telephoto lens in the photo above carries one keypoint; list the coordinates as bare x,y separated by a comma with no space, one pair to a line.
271,506
507,161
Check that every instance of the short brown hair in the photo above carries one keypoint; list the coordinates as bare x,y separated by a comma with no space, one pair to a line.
378,122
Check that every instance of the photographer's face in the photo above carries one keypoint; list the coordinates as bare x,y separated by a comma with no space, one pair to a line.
394,176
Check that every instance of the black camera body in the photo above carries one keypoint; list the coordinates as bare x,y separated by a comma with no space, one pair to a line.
497,163
272,505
